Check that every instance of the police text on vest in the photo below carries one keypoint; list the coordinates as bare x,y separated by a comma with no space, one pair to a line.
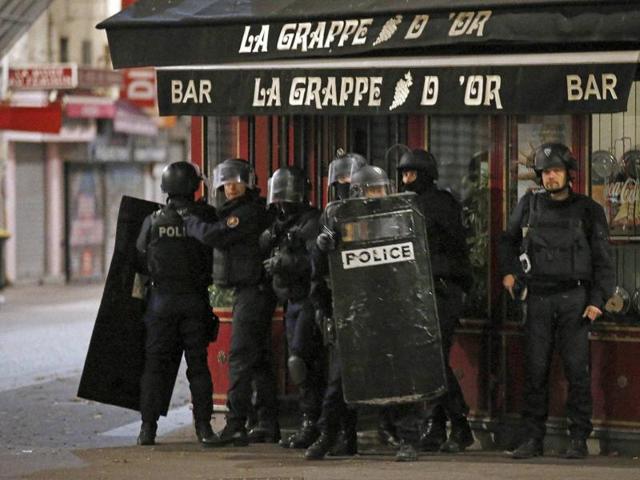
172,232
368,257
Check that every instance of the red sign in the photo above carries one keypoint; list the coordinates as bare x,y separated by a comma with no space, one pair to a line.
89,107
139,87
32,119
43,77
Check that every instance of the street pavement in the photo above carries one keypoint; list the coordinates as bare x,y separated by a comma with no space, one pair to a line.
46,432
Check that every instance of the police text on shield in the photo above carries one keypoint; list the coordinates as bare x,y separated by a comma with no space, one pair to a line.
369,257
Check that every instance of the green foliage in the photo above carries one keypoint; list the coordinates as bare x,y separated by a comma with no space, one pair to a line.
220,297
476,220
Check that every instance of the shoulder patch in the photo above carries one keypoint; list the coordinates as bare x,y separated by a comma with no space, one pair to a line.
233,221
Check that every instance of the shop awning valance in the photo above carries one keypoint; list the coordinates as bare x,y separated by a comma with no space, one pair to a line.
198,32
559,83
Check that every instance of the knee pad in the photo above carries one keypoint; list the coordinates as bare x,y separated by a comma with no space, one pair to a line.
297,369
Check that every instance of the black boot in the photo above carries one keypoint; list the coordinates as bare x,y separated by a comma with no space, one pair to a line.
321,446
234,434
304,437
265,432
528,449
147,434
346,444
433,434
406,453
460,437
577,449
206,436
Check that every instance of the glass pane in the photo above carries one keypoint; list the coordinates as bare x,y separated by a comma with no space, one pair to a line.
614,159
222,143
530,133
462,147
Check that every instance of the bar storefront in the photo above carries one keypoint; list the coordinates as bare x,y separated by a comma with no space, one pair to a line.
480,85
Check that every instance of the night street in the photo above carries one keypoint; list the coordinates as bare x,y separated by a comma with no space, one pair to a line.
49,433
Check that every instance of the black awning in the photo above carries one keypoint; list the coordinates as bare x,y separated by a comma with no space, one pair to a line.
197,32
560,83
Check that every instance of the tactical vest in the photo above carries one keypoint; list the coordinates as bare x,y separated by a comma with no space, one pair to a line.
557,244
174,260
294,285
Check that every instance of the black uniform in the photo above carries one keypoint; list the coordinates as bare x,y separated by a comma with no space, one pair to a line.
571,268
238,263
452,275
335,414
178,314
451,269
289,241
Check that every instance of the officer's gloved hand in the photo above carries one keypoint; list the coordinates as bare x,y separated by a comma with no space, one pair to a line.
326,241
266,240
271,264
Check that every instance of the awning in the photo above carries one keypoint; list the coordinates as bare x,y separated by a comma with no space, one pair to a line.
45,119
560,83
192,32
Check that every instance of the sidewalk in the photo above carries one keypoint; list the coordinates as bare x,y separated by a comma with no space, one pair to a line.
49,294
177,456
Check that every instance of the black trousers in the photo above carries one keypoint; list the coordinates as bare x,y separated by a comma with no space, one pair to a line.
555,320
335,412
305,341
449,300
174,322
250,334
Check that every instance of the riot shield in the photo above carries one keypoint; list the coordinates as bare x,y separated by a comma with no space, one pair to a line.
115,359
384,306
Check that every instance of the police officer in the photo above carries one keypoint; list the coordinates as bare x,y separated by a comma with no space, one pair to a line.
556,241
452,275
238,264
338,422
178,313
366,182
288,243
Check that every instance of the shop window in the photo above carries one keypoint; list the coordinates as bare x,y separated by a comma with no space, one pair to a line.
614,183
461,146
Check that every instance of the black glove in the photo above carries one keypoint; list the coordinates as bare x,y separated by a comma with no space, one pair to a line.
326,241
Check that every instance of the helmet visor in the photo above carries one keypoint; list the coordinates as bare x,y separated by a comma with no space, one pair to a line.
377,189
341,169
232,172
284,186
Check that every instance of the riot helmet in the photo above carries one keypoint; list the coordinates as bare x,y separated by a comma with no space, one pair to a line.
554,155
421,161
180,179
287,185
549,155
233,170
341,170
370,182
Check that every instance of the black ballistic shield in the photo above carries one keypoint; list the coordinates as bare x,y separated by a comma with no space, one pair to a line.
115,359
383,302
